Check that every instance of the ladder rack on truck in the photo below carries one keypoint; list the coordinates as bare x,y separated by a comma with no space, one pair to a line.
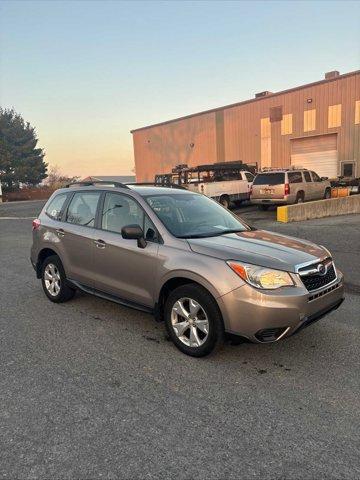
225,182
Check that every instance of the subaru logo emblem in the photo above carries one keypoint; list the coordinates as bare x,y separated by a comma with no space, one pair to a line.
321,268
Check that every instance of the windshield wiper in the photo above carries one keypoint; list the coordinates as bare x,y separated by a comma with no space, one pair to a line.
211,234
196,235
232,230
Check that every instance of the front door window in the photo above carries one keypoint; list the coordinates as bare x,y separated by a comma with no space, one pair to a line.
120,211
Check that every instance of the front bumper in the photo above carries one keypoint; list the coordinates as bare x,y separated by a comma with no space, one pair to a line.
268,317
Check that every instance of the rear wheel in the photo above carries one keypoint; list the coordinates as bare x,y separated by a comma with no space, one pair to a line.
225,201
193,320
54,282
300,198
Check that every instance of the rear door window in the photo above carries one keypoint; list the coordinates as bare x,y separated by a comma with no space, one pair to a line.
307,177
82,208
249,177
54,209
295,177
269,179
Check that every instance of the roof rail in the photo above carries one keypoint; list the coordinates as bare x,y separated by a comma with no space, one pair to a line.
140,183
279,169
97,182
152,184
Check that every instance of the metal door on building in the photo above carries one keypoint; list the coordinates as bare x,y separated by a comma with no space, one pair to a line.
318,153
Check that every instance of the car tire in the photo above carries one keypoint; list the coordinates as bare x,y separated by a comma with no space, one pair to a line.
54,281
300,198
327,194
201,330
264,208
225,201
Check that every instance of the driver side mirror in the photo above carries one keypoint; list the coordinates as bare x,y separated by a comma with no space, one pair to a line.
134,232
324,178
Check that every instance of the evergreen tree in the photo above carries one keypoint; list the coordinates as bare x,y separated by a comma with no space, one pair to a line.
20,159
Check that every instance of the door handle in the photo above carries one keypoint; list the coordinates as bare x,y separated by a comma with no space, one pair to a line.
60,232
100,243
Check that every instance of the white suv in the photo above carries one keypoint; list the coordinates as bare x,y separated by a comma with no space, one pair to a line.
280,187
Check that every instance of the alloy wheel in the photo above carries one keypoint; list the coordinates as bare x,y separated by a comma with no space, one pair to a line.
52,279
189,322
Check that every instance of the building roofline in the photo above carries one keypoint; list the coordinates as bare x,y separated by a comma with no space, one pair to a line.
251,100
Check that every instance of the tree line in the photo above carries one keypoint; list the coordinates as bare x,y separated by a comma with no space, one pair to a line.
21,160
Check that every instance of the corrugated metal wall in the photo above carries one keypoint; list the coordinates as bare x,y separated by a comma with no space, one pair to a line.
238,132
158,149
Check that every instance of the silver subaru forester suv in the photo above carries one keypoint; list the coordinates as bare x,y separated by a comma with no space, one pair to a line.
184,258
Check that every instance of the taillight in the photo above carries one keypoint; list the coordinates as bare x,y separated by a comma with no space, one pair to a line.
36,224
287,189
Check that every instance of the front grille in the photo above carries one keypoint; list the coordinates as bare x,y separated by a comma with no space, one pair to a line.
324,292
316,281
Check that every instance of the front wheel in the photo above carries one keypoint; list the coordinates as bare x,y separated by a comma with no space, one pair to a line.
54,280
193,320
327,194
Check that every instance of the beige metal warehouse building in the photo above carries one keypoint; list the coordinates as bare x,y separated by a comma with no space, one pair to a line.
316,126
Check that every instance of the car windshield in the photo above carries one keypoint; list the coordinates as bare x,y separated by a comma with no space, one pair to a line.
188,215
269,179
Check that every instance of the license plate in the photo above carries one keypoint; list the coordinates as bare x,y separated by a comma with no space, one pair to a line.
266,191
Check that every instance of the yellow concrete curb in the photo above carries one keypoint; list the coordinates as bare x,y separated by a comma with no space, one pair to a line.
282,214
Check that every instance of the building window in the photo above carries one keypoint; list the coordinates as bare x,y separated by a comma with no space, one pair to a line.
265,128
286,124
309,120
357,112
276,114
334,116
347,169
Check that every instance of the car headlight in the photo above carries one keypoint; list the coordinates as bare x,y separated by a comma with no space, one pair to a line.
261,277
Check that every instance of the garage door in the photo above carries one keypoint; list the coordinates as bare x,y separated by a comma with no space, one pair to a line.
318,153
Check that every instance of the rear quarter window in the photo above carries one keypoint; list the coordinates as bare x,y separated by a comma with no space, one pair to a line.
295,177
269,179
54,209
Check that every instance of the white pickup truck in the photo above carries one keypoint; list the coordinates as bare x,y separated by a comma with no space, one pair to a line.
225,191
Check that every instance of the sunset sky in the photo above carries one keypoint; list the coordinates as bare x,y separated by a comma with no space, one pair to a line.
86,73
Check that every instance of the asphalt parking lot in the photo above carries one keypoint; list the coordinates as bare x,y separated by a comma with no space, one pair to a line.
90,389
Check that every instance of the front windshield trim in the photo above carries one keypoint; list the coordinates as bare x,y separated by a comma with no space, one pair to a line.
228,217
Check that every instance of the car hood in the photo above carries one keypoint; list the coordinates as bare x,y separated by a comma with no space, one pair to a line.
260,247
